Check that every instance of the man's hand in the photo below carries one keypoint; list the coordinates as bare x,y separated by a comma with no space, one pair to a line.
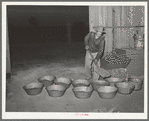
86,47
95,61
92,69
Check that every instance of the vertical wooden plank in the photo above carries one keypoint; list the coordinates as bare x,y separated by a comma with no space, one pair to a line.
104,15
126,33
8,63
142,19
96,16
117,30
93,16
109,35
104,22
90,17
100,13
125,24
113,25
119,44
123,32
130,23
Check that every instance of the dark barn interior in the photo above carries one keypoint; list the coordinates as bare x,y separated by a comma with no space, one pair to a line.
49,40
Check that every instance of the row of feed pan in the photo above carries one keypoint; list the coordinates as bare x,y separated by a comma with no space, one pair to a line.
55,87
82,88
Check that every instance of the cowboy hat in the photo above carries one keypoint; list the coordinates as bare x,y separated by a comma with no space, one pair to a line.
99,29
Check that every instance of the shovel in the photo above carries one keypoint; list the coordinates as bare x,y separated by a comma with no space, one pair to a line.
100,71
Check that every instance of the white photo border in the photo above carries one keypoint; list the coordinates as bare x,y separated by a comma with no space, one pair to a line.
67,115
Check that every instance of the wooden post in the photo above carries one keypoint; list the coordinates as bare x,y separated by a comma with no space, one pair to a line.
104,24
125,24
8,63
122,30
113,25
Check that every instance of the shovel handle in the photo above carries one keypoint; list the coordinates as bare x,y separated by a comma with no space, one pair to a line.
92,57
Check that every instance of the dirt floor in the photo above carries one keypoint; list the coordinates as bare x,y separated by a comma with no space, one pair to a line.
31,61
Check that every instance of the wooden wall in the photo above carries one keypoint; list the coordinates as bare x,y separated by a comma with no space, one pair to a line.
102,16
121,23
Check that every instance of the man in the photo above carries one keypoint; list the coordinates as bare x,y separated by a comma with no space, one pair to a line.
95,44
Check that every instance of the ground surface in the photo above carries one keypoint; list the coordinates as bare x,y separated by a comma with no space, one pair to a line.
31,61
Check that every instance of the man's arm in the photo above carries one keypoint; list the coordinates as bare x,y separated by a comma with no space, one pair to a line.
86,39
101,50
98,41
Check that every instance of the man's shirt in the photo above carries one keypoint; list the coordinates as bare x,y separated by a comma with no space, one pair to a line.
95,45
